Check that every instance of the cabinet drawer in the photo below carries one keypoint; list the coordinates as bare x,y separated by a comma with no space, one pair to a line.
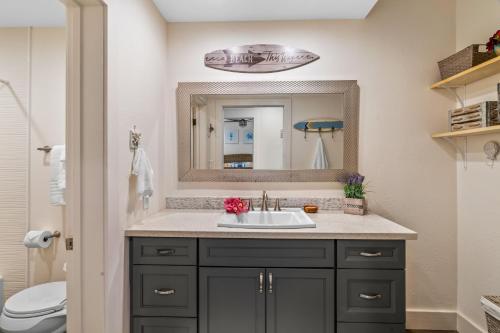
370,296
164,325
370,254
267,253
164,291
164,251
370,328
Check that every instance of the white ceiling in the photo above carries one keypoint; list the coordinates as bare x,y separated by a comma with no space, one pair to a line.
50,13
262,10
34,13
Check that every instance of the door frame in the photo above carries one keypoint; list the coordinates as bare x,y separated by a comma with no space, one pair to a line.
86,22
279,101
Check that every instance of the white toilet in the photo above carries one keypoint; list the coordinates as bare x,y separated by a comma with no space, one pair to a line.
39,309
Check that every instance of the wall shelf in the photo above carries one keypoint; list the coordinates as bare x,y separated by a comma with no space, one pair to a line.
469,132
476,73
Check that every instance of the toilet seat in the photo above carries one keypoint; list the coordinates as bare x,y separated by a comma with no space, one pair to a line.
37,301
39,309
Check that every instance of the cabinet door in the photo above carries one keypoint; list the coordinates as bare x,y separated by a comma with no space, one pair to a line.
300,300
232,300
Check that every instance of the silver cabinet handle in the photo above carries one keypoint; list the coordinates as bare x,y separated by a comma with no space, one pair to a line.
165,252
164,292
261,283
270,283
370,297
371,254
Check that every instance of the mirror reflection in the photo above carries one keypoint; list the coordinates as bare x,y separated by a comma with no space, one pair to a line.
267,132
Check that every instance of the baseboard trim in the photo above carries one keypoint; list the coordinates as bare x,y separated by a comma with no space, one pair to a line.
431,320
428,331
464,325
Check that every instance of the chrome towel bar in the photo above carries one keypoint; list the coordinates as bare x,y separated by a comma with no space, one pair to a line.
45,149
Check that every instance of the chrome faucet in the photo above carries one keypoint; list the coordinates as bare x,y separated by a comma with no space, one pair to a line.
263,207
250,204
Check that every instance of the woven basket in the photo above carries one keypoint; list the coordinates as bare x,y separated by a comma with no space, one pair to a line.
354,206
469,57
493,323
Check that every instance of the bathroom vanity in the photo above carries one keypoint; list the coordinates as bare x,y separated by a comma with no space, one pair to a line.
346,276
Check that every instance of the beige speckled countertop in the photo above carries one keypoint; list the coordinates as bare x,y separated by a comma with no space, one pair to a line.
329,225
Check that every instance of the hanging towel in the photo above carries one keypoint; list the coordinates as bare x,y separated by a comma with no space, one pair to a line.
57,175
141,168
320,161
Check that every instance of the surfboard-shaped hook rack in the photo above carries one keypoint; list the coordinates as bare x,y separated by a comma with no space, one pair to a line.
319,126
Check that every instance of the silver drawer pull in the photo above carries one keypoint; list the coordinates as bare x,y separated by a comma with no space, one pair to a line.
261,283
164,292
270,283
165,252
370,297
371,254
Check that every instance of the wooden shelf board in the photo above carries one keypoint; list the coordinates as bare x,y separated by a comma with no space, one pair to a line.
469,132
476,73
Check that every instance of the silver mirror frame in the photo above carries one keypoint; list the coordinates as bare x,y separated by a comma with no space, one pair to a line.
349,88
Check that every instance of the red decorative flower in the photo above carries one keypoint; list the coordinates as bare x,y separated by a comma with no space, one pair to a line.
235,206
494,40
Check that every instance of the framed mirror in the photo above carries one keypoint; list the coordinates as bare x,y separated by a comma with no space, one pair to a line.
293,131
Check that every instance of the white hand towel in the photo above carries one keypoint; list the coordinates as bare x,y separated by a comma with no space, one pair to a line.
57,175
320,161
62,174
141,168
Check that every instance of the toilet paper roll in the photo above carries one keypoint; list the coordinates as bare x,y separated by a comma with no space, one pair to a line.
38,239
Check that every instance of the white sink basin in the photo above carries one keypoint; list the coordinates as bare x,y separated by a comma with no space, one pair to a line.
285,219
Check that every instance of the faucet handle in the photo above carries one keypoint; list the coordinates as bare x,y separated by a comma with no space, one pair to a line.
250,204
277,207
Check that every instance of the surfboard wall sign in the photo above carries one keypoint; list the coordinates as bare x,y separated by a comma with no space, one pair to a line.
319,125
259,58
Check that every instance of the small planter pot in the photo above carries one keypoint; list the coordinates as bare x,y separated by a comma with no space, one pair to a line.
354,206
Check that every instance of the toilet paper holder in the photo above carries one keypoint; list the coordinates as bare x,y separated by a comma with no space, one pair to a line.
55,234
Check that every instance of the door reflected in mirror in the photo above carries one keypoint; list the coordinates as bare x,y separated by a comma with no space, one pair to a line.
267,132
253,137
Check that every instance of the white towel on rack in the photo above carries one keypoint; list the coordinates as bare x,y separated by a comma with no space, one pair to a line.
141,168
57,175
320,161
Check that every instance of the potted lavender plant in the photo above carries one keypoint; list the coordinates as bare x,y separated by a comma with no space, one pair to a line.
354,190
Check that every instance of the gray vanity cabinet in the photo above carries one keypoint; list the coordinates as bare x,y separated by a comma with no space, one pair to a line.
188,285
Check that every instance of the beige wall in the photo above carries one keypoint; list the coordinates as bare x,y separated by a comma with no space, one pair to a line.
137,72
33,60
48,96
320,106
393,55
14,133
477,200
